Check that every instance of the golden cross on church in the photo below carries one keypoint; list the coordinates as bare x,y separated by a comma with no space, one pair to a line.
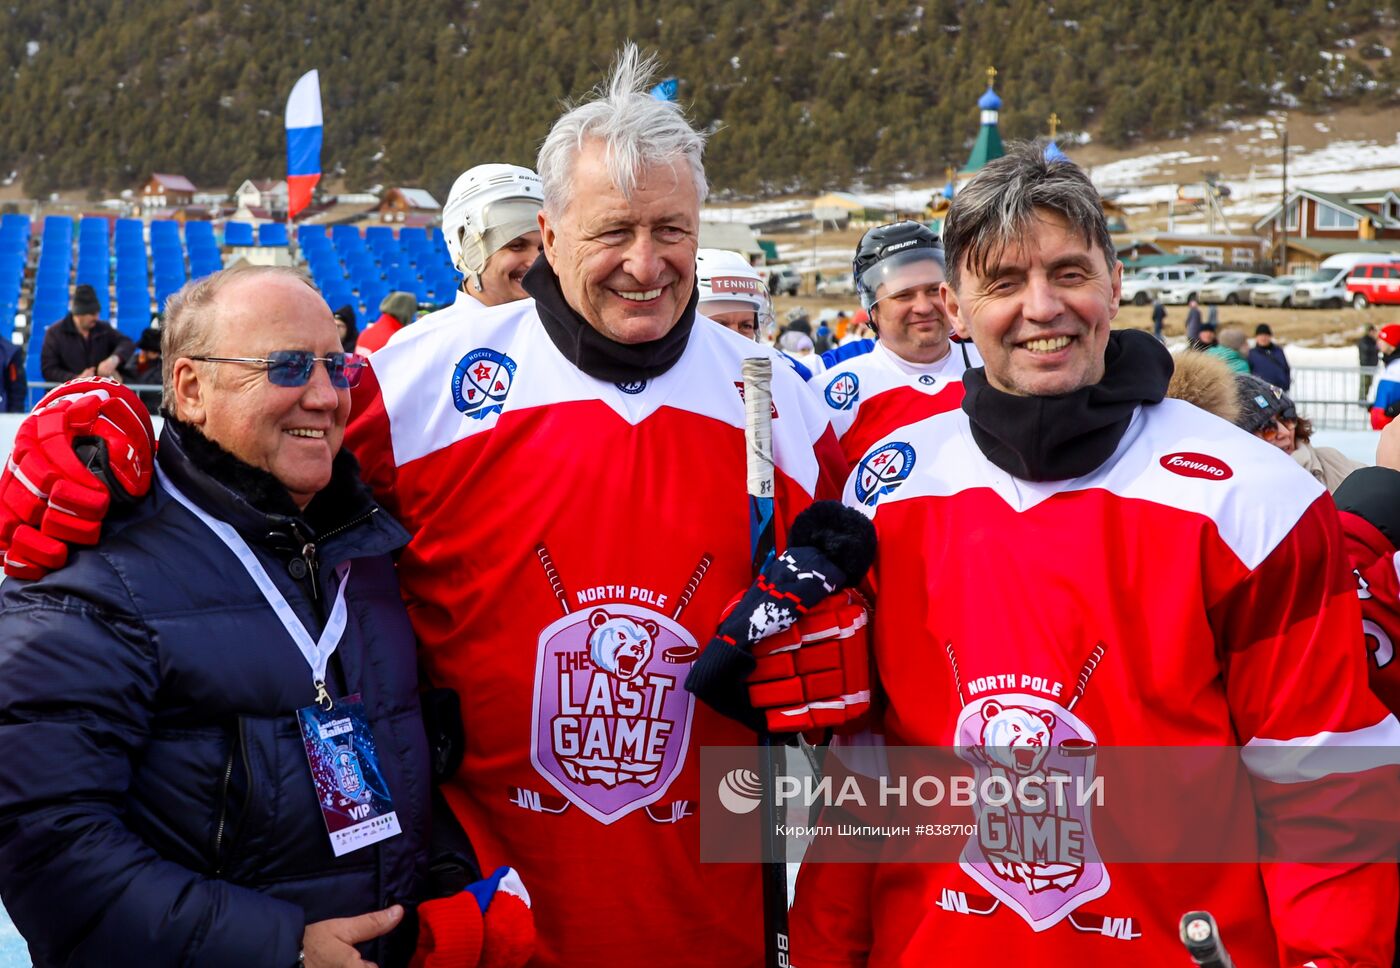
991,76
1054,121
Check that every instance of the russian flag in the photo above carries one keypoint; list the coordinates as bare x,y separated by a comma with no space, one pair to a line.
303,141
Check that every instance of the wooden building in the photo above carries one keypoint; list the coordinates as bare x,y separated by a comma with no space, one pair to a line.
167,191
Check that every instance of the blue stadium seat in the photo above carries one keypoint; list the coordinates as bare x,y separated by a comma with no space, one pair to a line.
238,233
273,234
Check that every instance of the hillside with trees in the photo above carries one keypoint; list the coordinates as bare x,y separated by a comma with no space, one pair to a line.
799,94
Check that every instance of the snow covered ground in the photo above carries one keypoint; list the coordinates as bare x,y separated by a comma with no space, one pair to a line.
1341,166
13,952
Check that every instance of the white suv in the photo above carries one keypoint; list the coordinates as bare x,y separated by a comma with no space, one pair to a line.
1142,286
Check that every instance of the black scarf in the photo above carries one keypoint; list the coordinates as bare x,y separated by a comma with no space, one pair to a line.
590,350
343,499
1057,438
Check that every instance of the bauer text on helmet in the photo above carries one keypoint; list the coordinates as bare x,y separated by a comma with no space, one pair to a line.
491,228
898,272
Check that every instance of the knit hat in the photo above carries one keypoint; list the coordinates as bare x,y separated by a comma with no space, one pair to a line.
400,305
1263,329
1260,403
85,302
1390,334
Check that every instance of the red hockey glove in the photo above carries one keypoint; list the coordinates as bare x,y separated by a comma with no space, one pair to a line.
815,674
486,925
87,441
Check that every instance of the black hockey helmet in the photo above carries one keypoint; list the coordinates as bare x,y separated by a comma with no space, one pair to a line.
886,251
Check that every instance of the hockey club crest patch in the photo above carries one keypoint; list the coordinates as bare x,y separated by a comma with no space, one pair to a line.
881,471
843,391
481,381
1034,854
928,379
633,386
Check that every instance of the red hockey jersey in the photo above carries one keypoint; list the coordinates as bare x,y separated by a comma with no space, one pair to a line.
1190,592
877,393
574,544
1376,565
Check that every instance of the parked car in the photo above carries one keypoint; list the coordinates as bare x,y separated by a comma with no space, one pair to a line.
783,280
837,284
1181,293
1325,289
1142,286
1233,289
1278,291
1375,283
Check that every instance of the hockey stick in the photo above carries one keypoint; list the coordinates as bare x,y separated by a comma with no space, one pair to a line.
1202,940
758,441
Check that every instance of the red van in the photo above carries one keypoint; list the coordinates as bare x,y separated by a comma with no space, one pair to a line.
1374,284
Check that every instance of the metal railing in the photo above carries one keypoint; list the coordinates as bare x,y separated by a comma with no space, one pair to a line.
1334,397
37,389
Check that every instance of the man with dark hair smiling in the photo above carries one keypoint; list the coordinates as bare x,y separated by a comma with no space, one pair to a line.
1179,584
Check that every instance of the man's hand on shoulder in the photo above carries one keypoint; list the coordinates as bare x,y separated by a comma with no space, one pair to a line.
331,943
87,441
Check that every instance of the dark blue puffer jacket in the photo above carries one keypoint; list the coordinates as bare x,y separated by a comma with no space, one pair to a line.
156,807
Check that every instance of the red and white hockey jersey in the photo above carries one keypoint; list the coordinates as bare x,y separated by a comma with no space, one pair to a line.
1192,591
1376,565
878,392
574,544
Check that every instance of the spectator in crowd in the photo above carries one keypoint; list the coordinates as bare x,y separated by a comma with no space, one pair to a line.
1368,357
1268,413
345,326
1204,380
396,311
144,367
1193,321
1266,359
1213,317
1205,337
1159,319
14,383
80,344
1387,403
185,826
1230,349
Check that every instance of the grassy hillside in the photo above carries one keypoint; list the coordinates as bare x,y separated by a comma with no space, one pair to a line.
801,94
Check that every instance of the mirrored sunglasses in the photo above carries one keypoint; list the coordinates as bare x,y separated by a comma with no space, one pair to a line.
292,368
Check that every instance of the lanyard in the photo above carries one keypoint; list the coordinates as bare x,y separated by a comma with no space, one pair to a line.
317,653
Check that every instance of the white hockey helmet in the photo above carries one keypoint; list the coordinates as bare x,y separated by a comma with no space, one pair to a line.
489,206
727,283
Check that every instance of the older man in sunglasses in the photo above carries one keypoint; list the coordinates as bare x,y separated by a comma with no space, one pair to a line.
210,722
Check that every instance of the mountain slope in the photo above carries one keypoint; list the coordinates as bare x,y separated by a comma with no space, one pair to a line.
802,94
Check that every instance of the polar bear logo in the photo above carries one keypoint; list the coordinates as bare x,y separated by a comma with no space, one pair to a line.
1015,737
619,645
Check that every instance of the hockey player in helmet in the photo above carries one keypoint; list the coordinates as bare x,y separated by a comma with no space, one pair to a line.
898,268
913,370
489,224
732,293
